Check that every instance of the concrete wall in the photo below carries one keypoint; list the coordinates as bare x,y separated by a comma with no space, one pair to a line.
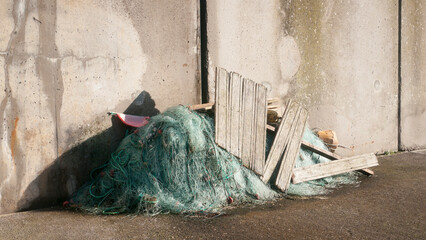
64,65
413,75
338,58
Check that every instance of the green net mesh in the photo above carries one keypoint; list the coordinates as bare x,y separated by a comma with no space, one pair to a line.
174,165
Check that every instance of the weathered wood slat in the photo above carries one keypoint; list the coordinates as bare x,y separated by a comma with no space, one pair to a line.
260,130
204,106
228,113
292,151
221,106
235,114
330,155
332,168
280,141
247,121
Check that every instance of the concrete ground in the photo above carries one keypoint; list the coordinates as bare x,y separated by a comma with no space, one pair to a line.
390,205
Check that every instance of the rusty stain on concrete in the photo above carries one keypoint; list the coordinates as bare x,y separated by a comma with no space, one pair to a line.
13,139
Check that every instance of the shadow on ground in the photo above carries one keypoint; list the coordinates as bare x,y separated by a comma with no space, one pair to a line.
71,170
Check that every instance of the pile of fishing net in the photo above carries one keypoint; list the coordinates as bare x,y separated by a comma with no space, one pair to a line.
173,164
170,165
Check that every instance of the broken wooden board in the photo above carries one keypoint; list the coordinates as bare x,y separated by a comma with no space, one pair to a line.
332,168
331,156
281,140
292,150
240,121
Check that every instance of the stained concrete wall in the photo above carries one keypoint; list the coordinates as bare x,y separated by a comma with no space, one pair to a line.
64,65
338,58
413,75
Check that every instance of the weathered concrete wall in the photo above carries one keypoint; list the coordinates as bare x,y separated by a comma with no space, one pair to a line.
339,58
413,75
64,65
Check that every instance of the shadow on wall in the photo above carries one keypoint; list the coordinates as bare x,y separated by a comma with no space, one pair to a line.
71,170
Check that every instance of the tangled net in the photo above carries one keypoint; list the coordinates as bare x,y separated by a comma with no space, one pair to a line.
170,165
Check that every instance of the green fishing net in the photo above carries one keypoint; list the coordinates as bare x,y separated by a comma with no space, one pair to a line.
174,165
170,165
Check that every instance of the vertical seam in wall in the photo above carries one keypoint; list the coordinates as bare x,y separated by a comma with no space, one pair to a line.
399,72
204,51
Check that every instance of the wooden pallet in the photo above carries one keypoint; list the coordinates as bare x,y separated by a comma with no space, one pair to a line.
240,118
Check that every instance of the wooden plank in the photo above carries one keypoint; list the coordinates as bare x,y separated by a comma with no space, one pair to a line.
260,130
204,106
247,116
330,155
221,106
292,151
332,168
236,93
280,141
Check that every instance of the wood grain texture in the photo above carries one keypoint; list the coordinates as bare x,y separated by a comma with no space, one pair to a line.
235,114
332,168
247,121
258,160
292,151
